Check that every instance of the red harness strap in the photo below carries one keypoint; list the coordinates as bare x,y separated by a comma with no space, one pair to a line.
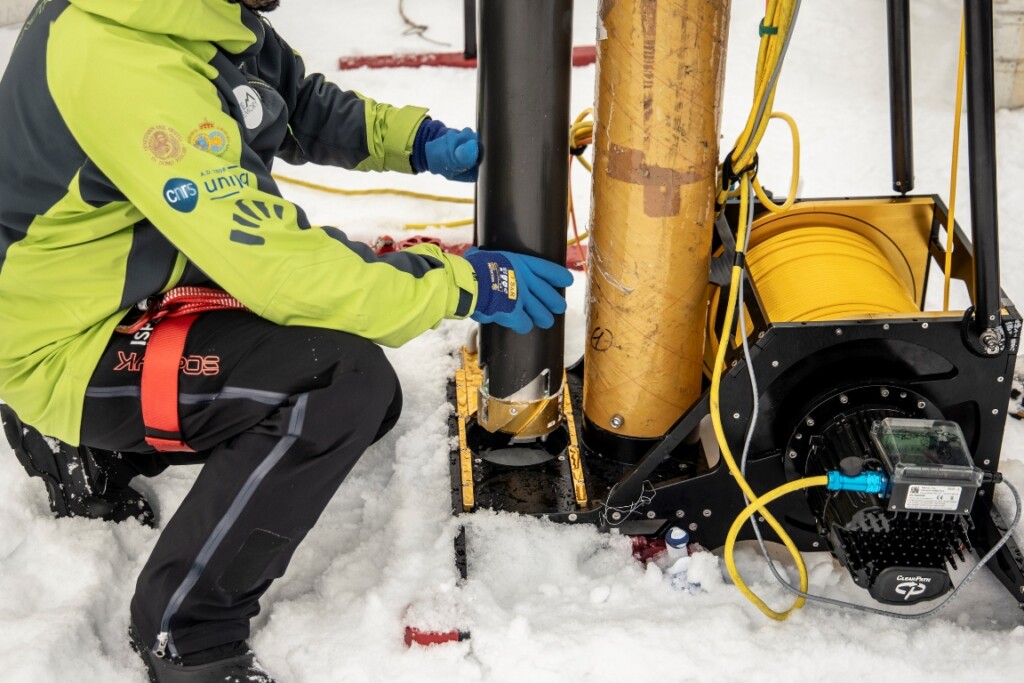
171,316
160,383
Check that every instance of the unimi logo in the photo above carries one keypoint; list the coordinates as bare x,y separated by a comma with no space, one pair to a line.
226,182
181,194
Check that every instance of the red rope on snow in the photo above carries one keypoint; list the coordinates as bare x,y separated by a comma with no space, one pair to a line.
581,56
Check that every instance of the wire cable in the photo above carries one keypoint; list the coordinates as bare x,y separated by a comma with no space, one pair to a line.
416,29
781,15
716,420
950,220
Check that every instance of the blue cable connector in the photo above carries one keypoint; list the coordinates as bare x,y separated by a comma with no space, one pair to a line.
876,483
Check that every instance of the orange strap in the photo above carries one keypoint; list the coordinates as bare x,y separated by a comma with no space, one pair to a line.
171,315
160,383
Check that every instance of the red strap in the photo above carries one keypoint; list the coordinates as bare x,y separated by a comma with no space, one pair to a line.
181,301
171,316
160,383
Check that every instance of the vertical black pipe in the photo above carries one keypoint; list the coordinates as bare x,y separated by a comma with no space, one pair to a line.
525,53
901,110
469,17
981,144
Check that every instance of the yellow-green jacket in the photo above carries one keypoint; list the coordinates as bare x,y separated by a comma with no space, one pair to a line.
136,139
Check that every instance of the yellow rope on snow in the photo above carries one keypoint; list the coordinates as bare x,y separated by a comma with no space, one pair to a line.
374,191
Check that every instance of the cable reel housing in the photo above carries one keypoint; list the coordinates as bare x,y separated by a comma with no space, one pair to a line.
897,546
840,363
842,376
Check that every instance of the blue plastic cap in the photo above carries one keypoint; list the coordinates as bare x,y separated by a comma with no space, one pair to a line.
676,537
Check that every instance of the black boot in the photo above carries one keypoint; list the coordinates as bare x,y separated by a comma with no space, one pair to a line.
233,663
81,481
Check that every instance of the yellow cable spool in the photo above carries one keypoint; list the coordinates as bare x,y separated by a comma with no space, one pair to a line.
825,273
811,274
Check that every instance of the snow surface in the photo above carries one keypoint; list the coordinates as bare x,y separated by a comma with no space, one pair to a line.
544,603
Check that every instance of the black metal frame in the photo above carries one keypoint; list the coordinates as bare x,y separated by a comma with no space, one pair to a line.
926,366
981,142
916,366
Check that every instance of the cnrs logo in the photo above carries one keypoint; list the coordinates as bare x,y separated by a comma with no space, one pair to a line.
181,194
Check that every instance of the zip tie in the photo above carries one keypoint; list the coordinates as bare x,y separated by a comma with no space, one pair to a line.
763,30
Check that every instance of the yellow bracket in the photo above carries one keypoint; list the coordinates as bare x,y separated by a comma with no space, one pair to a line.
579,484
467,389
467,384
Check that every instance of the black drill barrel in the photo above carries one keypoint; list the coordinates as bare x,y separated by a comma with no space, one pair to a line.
901,111
981,145
469,18
524,53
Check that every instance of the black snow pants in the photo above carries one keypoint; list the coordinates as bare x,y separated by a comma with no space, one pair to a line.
278,416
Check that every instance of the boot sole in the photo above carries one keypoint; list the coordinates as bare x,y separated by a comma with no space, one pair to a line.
15,430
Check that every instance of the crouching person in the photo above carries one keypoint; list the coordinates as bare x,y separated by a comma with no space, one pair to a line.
162,303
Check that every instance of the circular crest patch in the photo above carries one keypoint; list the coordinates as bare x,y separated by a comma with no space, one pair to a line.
164,145
209,137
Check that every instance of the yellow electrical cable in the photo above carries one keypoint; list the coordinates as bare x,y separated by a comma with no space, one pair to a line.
794,178
582,131
758,505
375,191
716,420
950,223
778,15
815,274
581,134
574,240
825,273
438,224
392,191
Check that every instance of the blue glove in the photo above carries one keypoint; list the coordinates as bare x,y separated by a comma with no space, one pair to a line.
454,154
517,291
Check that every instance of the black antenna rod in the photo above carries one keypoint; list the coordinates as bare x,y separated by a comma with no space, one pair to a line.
981,143
901,111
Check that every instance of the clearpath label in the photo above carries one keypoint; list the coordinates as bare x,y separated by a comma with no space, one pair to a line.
181,194
933,497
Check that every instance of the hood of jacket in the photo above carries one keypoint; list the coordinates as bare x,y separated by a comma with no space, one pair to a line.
225,23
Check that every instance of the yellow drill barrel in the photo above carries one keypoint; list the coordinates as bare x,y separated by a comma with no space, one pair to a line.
661,66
